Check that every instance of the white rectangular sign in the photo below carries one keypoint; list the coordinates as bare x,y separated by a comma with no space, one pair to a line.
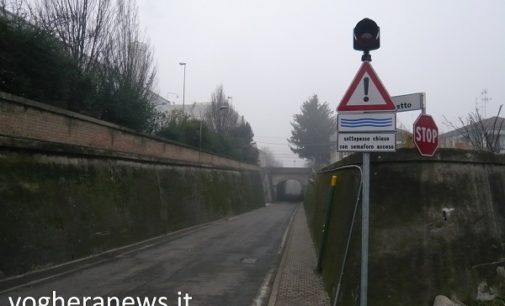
367,122
405,103
366,142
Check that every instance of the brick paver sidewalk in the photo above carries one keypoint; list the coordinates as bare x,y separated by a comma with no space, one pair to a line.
296,283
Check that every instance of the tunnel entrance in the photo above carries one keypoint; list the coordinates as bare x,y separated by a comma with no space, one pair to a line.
290,191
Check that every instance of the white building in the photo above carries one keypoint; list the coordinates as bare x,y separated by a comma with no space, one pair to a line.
195,110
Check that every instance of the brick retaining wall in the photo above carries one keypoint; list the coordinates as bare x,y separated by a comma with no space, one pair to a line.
23,118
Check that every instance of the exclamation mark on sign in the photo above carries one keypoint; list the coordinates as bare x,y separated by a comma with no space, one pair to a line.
365,83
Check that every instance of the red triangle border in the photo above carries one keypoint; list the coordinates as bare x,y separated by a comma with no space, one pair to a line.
366,67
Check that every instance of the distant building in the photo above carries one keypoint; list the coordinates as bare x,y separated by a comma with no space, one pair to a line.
195,110
404,139
160,102
458,138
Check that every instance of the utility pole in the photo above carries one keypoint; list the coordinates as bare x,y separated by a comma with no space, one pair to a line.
484,100
183,86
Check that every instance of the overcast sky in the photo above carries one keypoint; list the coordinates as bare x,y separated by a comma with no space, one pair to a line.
272,55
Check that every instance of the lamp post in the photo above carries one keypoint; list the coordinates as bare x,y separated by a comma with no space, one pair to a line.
201,122
221,108
222,118
200,138
183,86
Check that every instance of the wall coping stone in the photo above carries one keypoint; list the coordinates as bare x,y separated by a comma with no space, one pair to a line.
408,155
47,147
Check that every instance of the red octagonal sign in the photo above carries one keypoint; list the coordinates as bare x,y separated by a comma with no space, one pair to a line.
426,135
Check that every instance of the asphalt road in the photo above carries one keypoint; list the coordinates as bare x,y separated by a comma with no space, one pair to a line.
222,264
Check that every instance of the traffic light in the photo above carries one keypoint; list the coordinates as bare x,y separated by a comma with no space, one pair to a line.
366,36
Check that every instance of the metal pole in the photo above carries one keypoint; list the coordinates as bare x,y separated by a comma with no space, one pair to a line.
183,86
240,157
200,134
184,89
423,103
364,229
200,142
326,225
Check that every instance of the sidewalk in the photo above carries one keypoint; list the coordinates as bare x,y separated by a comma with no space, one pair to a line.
296,283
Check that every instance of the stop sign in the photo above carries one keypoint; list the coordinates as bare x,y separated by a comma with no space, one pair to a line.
426,135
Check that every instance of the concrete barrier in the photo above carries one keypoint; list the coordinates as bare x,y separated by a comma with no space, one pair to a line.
436,227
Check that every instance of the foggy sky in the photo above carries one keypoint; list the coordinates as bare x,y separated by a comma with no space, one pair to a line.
272,55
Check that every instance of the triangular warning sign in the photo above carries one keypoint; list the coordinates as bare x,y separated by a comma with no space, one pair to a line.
366,93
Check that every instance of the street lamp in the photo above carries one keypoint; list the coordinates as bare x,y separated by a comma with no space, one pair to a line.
183,86
221,108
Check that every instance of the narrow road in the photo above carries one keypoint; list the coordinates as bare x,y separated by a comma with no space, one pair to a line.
223,264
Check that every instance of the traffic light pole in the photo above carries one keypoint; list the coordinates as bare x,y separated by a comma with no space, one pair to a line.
366,37
365,217
423,104
365,213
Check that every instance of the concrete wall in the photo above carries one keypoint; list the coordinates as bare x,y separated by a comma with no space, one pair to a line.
62,202
417,251
72,185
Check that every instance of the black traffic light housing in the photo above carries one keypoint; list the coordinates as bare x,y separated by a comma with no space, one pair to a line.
366,37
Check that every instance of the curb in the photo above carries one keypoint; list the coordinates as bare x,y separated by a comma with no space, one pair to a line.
282,253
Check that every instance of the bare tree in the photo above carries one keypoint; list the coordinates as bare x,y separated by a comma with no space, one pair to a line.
83,26
12,8
481,134
102,37
129,53
220,116
127,71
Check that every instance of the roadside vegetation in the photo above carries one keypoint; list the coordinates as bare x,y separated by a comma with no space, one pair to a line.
219,129
479,133
83,55
312,128
89,56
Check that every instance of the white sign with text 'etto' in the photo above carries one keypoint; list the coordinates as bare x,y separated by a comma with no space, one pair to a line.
366,142
406,103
